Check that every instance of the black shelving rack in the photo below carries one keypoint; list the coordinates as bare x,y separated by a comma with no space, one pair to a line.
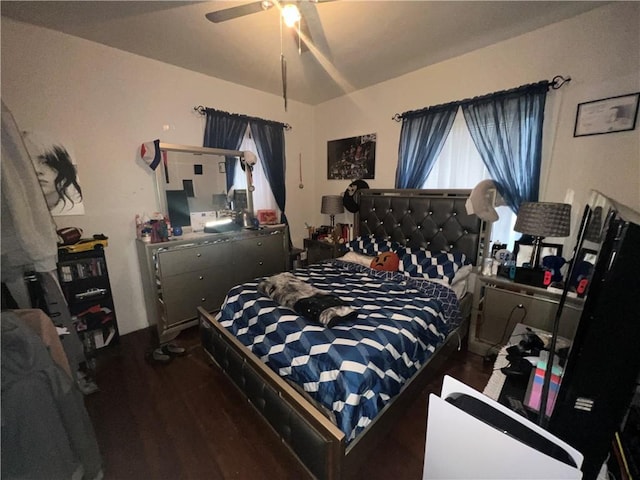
84,279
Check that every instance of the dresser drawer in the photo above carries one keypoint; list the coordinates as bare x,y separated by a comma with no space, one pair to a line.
187,259
504,308
260,244
260,256
183,293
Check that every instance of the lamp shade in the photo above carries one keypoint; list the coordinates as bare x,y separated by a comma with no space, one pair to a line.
332,205
544,219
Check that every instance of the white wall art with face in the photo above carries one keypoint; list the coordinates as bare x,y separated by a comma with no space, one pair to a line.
57,173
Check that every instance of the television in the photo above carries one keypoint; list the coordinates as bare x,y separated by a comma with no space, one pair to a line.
602,367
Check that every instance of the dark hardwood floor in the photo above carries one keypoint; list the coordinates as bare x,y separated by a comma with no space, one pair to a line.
186,420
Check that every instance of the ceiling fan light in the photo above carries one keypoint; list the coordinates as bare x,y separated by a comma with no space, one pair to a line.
290,14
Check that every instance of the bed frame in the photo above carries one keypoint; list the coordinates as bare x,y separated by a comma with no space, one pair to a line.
433,219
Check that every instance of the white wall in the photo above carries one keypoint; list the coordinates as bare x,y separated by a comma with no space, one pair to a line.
105,103
598,50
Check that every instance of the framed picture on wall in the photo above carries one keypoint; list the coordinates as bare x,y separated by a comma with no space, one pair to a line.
522,252
57,173
613,114
352,158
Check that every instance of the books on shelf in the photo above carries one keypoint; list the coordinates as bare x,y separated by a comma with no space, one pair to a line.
91,267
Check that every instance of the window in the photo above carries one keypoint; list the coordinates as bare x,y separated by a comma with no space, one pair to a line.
262,195
459,165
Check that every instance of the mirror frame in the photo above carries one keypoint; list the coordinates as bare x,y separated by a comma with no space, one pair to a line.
172,147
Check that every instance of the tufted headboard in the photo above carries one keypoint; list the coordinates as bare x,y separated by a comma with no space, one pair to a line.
432,219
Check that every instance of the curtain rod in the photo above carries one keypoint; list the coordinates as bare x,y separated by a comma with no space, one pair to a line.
555,83
203,111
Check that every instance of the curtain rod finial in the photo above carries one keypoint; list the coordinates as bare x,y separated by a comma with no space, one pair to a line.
559,81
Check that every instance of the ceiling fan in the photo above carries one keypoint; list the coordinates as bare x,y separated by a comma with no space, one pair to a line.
293,13
305,9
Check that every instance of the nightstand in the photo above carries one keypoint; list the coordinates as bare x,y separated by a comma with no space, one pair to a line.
499,304
295,258
318,250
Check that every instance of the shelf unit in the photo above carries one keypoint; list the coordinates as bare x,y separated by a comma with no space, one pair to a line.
84,279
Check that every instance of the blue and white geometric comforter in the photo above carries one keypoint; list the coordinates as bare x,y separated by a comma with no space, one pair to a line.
354,368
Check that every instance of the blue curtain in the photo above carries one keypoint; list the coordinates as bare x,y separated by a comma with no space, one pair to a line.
225,130
422,136
269,140
506,128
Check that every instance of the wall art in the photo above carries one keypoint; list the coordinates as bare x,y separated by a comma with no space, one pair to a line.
613,114
352,158
56,170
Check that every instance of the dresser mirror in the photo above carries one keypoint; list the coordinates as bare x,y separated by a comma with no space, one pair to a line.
191,185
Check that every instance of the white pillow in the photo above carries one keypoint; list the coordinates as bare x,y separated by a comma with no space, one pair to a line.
359,258
459,284
462,274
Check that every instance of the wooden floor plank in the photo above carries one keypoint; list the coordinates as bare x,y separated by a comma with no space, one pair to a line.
186,420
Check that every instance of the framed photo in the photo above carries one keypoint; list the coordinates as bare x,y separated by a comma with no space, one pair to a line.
352,158
267,217
522,253
614,114
588,255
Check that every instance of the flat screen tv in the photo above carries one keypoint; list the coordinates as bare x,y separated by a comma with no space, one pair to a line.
603,364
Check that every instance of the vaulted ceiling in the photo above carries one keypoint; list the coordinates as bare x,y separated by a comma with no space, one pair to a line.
354,44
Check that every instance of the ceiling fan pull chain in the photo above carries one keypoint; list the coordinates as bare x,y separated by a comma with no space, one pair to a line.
283,67
283,62
281,53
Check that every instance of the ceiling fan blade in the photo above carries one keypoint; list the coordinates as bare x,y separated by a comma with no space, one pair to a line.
235,12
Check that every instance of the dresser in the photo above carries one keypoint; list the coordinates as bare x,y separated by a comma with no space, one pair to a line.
197,270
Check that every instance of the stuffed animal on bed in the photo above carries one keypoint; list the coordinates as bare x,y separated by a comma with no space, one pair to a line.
388,261
292,292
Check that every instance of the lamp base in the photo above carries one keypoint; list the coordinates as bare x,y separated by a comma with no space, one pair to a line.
537,277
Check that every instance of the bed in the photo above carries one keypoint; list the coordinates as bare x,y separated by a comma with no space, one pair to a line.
328,419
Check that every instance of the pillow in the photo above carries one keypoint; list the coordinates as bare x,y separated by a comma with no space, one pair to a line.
359,258
387,261
372,245
426,264
462,274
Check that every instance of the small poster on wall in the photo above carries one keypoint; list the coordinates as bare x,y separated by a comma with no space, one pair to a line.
352,158
56,170
614,114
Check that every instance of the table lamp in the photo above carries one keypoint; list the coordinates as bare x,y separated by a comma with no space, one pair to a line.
332,205
543,219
